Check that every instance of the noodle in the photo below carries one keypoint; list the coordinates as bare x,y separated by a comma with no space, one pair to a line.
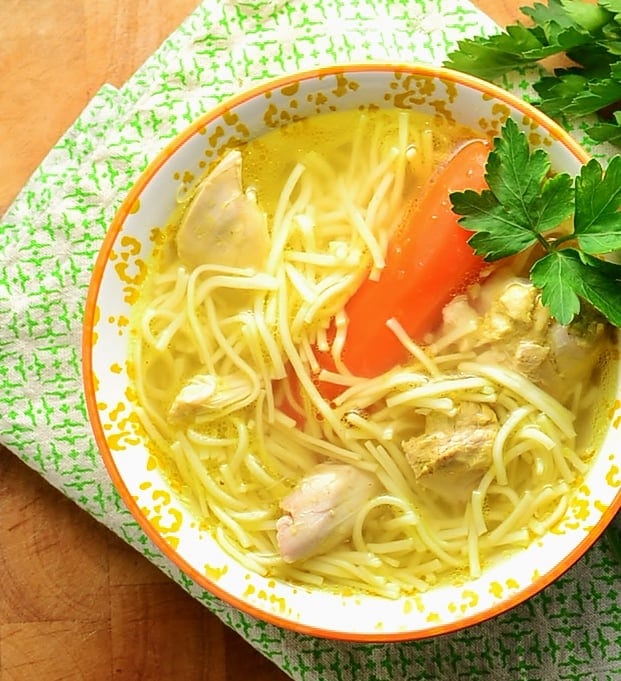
253,342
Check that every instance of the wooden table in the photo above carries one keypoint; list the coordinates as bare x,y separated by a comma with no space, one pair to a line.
75,601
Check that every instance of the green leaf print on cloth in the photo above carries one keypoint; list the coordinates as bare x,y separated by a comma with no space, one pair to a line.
49,239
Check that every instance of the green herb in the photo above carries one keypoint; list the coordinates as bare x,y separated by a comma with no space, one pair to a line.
526,205
589,35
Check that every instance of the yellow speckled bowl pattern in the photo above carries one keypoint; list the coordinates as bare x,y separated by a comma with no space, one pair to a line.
121,269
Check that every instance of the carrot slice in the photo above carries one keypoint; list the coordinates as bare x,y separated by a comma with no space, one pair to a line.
428,261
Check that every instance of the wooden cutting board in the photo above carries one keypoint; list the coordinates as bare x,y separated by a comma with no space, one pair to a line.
75,601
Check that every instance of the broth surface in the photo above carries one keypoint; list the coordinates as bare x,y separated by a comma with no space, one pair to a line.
430,471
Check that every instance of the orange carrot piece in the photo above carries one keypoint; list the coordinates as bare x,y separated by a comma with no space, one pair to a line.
428,261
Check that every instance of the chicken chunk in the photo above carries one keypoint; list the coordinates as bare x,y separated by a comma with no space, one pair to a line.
455,451
223,225
571,348
206,393
528,356
574,353
511,313
320,512
506,323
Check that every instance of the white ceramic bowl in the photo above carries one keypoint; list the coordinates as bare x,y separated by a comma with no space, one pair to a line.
115,285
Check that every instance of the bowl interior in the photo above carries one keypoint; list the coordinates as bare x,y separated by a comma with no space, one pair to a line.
120,271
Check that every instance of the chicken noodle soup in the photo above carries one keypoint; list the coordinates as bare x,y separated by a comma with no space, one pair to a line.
304,470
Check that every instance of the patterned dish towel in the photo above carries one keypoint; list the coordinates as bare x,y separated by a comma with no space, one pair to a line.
50,237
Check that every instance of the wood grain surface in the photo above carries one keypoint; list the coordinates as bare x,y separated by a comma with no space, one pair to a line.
76,603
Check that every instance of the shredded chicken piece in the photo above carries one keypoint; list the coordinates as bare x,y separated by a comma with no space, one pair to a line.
505,323
529,356
320,512
223,225
204,392
518,300
574,353
511,313
455,451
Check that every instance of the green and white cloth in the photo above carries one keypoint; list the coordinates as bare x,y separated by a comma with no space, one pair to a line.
49,239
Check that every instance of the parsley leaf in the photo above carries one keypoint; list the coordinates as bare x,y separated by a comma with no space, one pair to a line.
519,181
597,221
494,56
558,92
526,204
565,276
578,13
600,286
498,236
597,96
608,132
522,201
555,274
588,34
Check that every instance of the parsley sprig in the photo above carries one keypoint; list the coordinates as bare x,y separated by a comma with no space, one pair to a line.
589,35
527,205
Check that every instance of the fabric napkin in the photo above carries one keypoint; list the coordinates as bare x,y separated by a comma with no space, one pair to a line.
49,239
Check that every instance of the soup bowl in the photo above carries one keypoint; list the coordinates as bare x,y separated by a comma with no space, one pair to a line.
155,499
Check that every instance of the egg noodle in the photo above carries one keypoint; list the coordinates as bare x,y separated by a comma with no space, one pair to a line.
331,210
